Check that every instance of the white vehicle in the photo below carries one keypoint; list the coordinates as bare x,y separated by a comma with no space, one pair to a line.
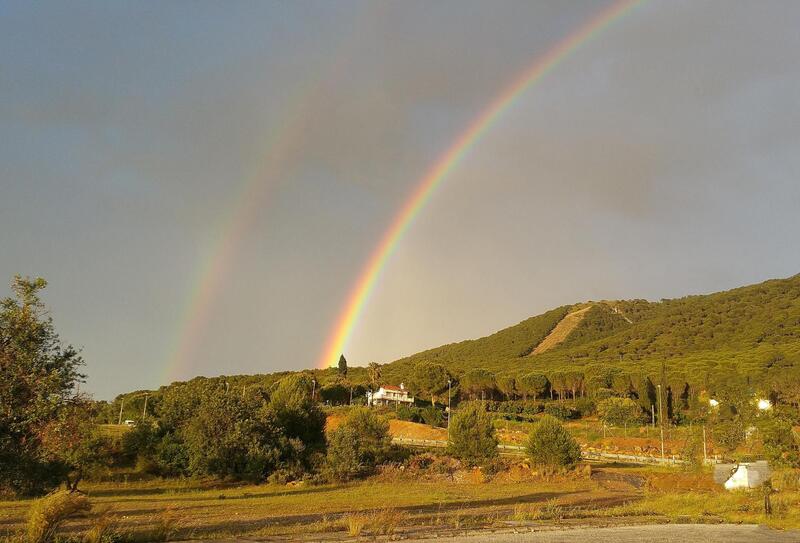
129,422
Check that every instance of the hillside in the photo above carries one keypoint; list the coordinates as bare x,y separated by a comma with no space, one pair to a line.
752,331
562,330
749,329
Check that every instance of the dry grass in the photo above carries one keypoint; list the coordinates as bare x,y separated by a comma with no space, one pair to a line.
48,514
380,522
104,527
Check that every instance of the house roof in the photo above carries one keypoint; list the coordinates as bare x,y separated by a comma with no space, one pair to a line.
393,388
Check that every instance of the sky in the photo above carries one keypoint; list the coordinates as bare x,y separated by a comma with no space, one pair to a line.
268,146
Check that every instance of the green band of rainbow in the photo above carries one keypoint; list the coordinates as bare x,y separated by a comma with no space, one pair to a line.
360,293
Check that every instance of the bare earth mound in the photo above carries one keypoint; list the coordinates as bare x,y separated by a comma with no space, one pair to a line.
561,331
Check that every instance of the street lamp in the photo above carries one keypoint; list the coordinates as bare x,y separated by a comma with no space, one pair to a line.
449,412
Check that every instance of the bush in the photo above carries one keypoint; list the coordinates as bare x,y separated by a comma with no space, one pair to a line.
585,407
472,435
780,445
560,411
619,411
432,416
409,413
49,513
551,445
358,445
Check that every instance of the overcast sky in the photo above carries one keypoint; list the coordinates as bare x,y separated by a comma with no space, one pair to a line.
660,159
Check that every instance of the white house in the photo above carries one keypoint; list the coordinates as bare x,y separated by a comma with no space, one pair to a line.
390,394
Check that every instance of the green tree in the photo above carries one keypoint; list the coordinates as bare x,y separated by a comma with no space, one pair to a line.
430,379
38,378
551,445
342,366
619,411
477,383
472,435
507,385
297,415
74,442
374,372
357,445
230,437
534,384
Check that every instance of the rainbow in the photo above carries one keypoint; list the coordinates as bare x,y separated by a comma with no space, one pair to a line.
211,275
360,293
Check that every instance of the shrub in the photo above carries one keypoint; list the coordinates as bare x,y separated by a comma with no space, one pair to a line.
619,411
585,407
432,416
472,435
47,514
560,411
409,413
551,445
780,445
358,445
728,434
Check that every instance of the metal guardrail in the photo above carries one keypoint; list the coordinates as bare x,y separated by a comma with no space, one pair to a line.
586,455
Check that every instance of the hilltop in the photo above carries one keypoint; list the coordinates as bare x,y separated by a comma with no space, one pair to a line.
748,329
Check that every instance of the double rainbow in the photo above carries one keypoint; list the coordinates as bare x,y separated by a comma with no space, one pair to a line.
360,293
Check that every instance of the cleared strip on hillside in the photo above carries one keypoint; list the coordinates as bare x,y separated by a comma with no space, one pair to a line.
561,331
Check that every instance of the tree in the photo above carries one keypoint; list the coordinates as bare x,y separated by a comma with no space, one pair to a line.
619,411
342,366
507,386
74,442
38,378
535,384
231,437
477,382
430,379
472,435
551,445
357,445
297,415
374,372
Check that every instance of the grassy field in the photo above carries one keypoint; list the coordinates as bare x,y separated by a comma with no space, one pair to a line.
405,504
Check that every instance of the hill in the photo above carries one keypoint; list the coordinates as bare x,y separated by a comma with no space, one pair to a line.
751,333
749,330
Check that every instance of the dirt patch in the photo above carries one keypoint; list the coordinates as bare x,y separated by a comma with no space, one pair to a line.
397,428
562,330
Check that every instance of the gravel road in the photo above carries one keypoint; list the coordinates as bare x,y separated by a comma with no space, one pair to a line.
661,533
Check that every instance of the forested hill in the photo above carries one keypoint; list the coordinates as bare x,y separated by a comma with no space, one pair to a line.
753,332
750,329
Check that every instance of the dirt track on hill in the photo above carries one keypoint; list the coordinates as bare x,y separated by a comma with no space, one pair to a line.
561,331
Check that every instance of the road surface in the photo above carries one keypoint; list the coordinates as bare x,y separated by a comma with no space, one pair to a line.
659,533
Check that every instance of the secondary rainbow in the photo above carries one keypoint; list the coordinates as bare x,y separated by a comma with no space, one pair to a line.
360,293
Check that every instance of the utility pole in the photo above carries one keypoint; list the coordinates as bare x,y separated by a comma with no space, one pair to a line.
661,420
121,405
705,453
653,415
144,410
313,387
449,411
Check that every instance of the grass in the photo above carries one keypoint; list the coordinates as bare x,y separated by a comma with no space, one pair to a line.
163,510
176,509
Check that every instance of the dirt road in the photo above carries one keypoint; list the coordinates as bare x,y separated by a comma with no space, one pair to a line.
661,533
